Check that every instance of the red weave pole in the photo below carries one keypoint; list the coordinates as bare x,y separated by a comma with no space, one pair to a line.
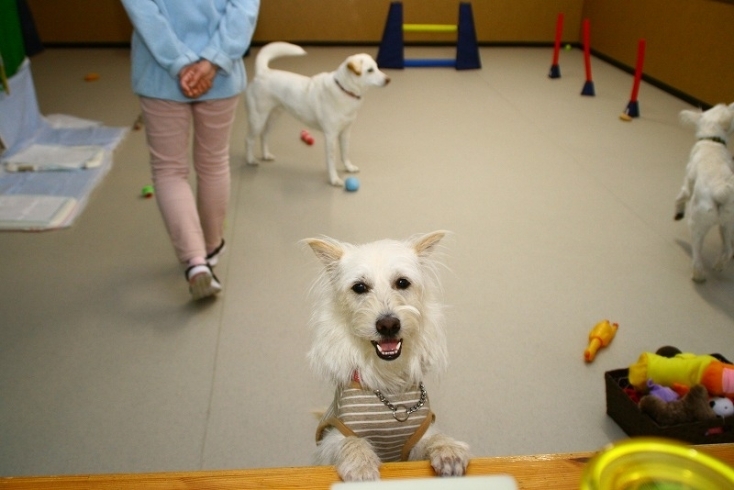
587,49
638,69
559,34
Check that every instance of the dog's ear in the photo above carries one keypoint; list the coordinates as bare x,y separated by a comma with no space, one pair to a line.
424,245
355,66
689,117
327,250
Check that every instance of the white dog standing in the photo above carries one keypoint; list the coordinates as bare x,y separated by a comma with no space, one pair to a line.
378,329
709,183
327,102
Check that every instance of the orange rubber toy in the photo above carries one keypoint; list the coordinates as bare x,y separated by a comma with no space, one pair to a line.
600,336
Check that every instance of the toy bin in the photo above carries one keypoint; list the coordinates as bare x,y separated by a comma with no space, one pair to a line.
625,412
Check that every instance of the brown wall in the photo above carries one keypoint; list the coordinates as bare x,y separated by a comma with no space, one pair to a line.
364,20
346,21
690,43
80,21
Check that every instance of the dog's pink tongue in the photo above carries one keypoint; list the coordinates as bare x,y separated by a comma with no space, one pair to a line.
389,345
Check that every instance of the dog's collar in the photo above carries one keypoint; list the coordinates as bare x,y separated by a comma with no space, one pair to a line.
715,139
351,94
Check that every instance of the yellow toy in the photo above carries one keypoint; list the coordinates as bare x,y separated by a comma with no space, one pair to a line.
600,336
684,369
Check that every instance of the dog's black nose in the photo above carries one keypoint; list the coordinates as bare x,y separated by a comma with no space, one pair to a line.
388,326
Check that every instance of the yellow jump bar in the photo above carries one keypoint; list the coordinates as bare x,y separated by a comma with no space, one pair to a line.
429,27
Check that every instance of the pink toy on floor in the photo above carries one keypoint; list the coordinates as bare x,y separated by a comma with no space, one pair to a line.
306,137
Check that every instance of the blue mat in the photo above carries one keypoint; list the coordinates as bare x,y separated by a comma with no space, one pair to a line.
22,125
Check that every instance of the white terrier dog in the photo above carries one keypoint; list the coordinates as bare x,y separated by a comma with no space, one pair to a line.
378,329
327,102
709,183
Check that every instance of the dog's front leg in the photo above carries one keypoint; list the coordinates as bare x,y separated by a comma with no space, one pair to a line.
448,456
344,150
353,457
331,142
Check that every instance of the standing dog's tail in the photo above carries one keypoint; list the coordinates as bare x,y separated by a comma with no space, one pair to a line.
275,50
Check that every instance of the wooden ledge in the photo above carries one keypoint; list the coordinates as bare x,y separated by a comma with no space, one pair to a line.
543,471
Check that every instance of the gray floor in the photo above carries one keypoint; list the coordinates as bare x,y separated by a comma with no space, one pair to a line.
561,216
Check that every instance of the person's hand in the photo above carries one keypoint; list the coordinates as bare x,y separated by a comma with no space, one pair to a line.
196,79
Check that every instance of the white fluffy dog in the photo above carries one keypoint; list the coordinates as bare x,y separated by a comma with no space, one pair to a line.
709,183
327,102
378,329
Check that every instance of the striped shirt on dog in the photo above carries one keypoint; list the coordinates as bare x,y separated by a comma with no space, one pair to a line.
359,412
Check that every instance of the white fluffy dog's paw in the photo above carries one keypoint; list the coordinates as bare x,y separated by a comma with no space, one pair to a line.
448,457
336,182
268,157
357,461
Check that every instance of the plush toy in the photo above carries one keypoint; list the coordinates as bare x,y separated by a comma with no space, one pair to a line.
663,392
683,369
723,407
694,407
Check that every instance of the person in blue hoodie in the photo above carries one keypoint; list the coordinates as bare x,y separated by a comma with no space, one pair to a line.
188,71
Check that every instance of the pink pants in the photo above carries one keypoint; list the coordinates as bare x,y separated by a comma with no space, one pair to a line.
195,224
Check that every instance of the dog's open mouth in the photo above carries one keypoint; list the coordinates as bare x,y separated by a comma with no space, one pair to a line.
388,349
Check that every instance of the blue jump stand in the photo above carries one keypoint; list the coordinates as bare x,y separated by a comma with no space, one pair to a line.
467,50
390,54
588,88
633,109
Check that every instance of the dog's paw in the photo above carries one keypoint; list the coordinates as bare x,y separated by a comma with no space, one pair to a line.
268,157
351,168
698,277
250,157
721,264
357,461
448,457
336,182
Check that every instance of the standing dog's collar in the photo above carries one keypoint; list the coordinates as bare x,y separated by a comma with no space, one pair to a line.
715,139
351,94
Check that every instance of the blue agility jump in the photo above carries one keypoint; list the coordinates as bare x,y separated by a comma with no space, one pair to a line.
429,62
390,54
